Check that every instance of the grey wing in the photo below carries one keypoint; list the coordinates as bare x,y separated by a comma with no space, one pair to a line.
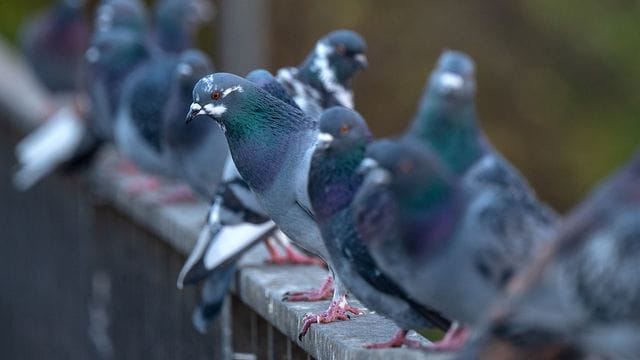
510,230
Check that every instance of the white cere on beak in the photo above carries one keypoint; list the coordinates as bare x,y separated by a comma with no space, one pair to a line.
324,137
451,81
195,107
92,55
185,70
362,59
366,165
379,177
105,17
214,110
228,91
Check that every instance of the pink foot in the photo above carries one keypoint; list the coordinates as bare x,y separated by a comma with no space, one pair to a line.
126,167
453,340
292,256
325,292
337,311
399,339
177,194
142,184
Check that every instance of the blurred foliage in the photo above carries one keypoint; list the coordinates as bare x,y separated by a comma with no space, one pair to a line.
556,80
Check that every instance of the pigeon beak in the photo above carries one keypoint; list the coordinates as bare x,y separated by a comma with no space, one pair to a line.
324,140
366,166
195,110
361,59
213,111
377,176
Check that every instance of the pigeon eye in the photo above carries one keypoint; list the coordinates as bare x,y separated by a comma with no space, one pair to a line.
216,95
344,129
341,49
405,166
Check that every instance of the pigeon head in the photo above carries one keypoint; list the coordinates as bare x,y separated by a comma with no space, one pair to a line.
121,14
344,52
453,79
178,21
238,104
333,179
333,63
342,130
192,65
115,49
446,117
260,77
415,175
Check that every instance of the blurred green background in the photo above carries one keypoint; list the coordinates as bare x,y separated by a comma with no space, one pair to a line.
557,80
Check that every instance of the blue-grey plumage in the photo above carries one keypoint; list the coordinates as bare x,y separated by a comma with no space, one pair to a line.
74,135
114,54
333,181
271,144
198,150
449,248
54,43
502,215
150,129
131,15
177,22
582,293
324,78
213,294
240,216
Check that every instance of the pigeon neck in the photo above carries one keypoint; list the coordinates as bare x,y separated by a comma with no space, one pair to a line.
260,135
452,133
172,37
317,72
333,180
432,220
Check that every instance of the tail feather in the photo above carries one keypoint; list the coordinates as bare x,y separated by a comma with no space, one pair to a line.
49,146
218,244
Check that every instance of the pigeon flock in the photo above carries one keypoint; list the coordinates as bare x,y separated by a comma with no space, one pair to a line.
432,228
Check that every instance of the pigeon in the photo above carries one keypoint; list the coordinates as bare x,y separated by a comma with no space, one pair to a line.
581,294
333,180
271,144
129,15
54,42
73,135
235,223
324,78
501,206
235,203
177,22
150,128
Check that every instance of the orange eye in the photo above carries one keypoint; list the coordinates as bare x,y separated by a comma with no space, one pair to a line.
341,49
216,95
405,166
344,129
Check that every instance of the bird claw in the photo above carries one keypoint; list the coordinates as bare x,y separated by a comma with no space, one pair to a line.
453,340
292,256
337,311
324,293
399,339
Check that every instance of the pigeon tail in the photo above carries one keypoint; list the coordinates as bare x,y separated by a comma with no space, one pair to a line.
219,244
49,146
